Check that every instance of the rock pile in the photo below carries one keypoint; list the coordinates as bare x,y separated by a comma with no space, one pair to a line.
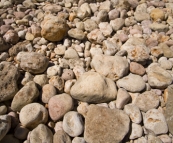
83,71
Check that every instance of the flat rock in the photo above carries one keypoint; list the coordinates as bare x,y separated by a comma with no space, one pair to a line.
5,125
113,67
158,77
155,121
9,75
32,62
132,83
93,88
147,100
136,49
41,134
114,129
24,96
59,105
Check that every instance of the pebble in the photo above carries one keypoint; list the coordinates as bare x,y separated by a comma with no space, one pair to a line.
78,140
54,70
9,138
76,33
3,109
61,137
21,132
136,68
137,131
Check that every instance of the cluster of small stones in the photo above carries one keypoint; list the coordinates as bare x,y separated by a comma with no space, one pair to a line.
84,71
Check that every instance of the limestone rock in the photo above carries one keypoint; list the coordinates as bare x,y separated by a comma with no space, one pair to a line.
93,88
114,129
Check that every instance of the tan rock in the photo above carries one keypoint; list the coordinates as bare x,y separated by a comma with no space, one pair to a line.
157,14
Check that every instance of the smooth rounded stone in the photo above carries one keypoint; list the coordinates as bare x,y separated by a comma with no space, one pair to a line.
165,64
68,85
68,74
32,62
11,37
48,91
9,138
41,134
155,121
58,126
41,79
73,124
21,132
113,14
105,88
71,53
167,52
159,27
78,140
136,49
90,25
32,115
117,23
54,70
158,77
53,8
27,78
19,47
165,138
141,140
76,33
102,16
96,36
147,100
24,96
59,105
3,109
113,67
132,83
5,125
134,113
137,131
57,25
106,29
113,130
96,51
58,82
136,68
29,36
9,75
60,50
157,14
61,137
109,48
123,98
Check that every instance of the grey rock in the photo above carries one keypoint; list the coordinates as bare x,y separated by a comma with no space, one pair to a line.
90,25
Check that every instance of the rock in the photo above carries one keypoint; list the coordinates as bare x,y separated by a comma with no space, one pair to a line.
68,74
156,51
41,79
36,30
3,45
5,28
102,16
113,14
24,96
71,53
109,48
54,70
4,56
106,29
157,14
48,91
168,112
3,109
113,120
5,125
76,33
117,23
58,28
134,113
158,77
113,67
95,51
58,82
27,78
106,88
11,37
52,8
32,62
136,68
83,11
164,63
159,27
78,140
9,75
90,25
60,50
165,138
153,138
19,47
155,121
61,137
96,36
21,132
167,52
136,49
73,124
9,138
130,21
59,105
29,36
147,100
41,134
123,98
32,115
141,140
68,85
137,131
132,83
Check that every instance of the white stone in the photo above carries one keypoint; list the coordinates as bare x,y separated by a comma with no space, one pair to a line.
137,131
